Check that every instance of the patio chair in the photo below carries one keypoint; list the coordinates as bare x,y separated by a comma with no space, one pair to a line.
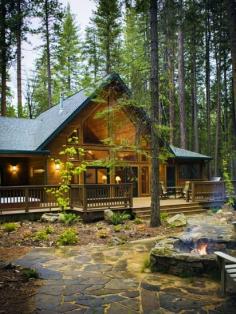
186,191
163,190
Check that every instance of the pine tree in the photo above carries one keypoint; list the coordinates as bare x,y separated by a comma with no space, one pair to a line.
135,65
7,28
68,54
50,12
107,21
91,55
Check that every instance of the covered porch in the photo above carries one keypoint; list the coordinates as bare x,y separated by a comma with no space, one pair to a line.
98,197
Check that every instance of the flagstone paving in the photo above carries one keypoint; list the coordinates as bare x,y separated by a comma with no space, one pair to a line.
101,279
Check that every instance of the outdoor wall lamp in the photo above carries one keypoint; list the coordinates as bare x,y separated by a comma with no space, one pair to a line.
118,179
104,179
57,167
13,169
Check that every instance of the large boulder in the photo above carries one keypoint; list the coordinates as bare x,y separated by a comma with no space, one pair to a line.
177,220
50,217
108,215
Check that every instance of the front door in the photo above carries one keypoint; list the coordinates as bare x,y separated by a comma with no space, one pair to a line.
129,175
170,173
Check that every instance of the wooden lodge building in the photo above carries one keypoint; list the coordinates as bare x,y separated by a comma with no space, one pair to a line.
27,146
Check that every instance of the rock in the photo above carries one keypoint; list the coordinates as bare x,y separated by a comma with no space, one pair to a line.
117,241
177,220
50,217
108,214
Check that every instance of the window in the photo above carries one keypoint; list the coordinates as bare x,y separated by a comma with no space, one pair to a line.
74,137
96,155
189,171
96,176
95,128
127,156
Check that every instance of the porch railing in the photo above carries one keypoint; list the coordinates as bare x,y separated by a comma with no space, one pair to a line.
86,197
209,190
92,196
24,198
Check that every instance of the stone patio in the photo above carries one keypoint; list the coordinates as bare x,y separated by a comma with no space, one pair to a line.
99,279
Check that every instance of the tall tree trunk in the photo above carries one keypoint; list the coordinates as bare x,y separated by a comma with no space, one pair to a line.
218,112
207,82
3,57
48,52
108,53
181,83
155,198
170,62
18,57
194,98
231,10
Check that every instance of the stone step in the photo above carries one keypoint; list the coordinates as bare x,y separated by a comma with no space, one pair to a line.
190,204
167,209
147,214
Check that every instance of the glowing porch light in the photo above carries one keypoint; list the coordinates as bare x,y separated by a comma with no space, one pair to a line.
104,179
118,179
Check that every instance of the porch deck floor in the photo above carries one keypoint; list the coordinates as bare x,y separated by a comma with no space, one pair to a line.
145,202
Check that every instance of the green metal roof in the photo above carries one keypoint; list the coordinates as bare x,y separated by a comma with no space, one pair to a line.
187,154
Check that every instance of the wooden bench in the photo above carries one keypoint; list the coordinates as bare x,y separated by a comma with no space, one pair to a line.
228,269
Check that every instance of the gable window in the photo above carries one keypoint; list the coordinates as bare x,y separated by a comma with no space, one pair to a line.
95,127
73,137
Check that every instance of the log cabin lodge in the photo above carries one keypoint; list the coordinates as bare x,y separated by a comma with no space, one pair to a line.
27,146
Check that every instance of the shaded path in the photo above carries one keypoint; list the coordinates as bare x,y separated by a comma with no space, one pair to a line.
101,279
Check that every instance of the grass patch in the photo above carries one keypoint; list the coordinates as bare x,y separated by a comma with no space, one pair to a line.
10,227
68,237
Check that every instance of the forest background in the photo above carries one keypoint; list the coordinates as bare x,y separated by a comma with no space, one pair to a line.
196,54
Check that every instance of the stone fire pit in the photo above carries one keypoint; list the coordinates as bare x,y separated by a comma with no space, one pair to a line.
182,255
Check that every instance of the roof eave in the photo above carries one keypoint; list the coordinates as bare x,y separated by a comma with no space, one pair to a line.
25,152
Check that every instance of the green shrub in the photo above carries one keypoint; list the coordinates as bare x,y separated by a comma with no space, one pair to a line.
119,218
10,226
138,221
41,235
146,264
30,273
102,233
164,217
49,230
69,218
68,237
117,228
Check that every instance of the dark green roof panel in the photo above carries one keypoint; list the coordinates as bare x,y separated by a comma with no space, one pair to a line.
187,154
